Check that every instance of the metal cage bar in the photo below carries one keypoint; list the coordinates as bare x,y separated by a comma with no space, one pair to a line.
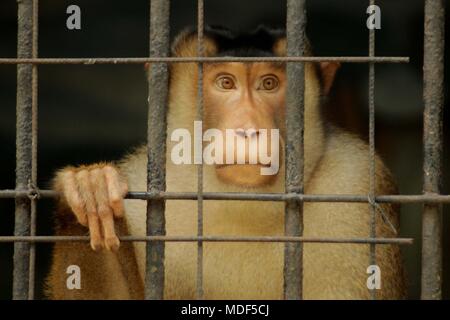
293,253
49,239
156,144
200,53
413,198
433,96
372,182
93,61
24,149
34,142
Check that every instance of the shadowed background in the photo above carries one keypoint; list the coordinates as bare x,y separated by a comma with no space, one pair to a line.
92,113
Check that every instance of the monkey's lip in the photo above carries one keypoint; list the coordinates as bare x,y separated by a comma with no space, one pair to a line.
220,166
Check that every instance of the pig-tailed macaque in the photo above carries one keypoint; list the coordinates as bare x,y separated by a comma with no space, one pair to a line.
247,100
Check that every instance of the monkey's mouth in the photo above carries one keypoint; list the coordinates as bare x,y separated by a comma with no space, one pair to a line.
246,175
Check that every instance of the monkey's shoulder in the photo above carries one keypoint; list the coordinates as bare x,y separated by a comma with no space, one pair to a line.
345,165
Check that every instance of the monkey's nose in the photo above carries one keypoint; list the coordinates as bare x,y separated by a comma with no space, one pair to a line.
249,133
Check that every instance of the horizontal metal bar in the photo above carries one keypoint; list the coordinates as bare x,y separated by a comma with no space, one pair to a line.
419,198
49,239
91,61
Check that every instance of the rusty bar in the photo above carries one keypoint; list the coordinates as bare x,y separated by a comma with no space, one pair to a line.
23,148
51,239
421,198
156,144
34,141
372,182
433,96
94,61
200,53
293,259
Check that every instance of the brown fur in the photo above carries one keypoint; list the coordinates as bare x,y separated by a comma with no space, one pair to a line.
104,275
336,163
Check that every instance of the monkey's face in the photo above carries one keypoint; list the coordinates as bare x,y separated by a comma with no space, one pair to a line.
246,103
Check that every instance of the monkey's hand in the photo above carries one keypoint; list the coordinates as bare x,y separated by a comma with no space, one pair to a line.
95,194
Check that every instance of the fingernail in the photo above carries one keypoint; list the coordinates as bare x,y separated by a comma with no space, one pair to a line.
112,244
96,246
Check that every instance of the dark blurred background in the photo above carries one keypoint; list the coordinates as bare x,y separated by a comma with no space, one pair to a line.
91,113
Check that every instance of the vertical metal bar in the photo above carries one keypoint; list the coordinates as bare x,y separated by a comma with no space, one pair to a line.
156,144
23,148
34,141
200,52
372,182
293,260
433,95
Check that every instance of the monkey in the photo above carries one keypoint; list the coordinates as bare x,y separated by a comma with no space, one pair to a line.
236,95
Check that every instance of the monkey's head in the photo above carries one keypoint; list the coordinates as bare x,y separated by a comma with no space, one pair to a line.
244,103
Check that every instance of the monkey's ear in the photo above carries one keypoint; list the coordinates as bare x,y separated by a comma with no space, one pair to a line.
328,73
186,45
279,47
327,69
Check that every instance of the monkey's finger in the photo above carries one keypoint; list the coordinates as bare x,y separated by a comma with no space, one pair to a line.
115,191
111,240
86,192
84,179
72,196
105,212
95,233
100,192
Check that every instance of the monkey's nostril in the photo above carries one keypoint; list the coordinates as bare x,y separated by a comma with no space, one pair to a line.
252,133
240,133
249,133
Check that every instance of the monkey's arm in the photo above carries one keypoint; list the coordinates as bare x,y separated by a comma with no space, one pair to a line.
90,198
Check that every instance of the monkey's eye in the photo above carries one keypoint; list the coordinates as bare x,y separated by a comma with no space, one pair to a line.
225,83
269,83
